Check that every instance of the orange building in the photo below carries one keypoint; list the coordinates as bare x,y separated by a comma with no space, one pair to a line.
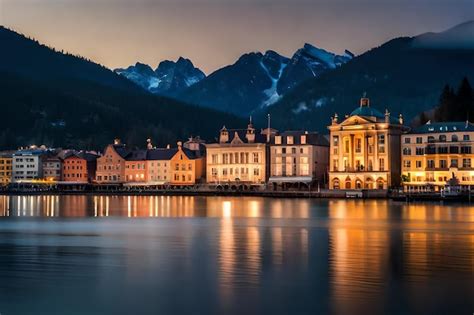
187,166
111,166
135,166
79,167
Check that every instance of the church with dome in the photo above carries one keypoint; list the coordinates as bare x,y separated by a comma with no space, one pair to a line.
365,149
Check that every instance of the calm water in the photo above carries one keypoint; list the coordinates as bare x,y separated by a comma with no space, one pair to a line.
218,255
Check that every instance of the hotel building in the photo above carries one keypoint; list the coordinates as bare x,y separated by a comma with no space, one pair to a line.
27,165
240,157
298,157
365,149
436,153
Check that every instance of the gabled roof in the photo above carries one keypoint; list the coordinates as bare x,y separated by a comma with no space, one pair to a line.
437,127
161,154
121,150
241,133
136,155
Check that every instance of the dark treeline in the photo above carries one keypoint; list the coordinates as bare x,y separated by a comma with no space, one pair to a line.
454,105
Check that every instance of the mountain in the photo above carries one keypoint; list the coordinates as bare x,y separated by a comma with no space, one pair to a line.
404,75
169,78
458,37
258,80
57,99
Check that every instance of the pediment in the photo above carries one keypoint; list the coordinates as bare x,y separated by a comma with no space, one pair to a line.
356,120
236,139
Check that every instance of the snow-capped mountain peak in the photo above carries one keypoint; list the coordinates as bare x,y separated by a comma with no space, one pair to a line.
169,78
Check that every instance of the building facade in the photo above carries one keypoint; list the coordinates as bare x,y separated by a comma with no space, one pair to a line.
6,159
111,165
79,167
52,168
27,165
365,149
435,153
135,166
240,157
298,157
187,166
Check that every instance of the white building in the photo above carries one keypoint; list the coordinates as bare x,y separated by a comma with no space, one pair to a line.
27,165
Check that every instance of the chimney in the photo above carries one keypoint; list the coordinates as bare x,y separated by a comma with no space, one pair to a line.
180,144
149,146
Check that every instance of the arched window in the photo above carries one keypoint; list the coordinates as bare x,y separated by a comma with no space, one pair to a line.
454,138
348,184
442,138
431,139
335,183
358,184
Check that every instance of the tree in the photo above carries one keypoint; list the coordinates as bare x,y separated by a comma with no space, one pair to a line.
464,104
446,101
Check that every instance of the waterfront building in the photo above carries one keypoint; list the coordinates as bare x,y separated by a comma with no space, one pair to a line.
135,166
52,168
79,167
187,166
298,157
158,166
240,156
111,165
365,149
6,158
27,164
435,153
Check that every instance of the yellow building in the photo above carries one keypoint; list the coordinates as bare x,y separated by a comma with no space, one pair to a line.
365,149
437,152
187,166
6,158
240,157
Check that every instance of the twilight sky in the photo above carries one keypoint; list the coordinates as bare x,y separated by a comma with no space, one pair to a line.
214,33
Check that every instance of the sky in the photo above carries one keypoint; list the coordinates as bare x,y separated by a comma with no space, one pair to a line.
214,33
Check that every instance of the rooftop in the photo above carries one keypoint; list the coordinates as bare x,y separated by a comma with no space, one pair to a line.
437,127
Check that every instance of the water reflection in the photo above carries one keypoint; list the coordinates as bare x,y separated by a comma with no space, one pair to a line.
277,255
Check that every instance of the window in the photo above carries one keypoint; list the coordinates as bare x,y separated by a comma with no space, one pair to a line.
381,143
293,150
454,138
406,151
214,171
256,171
277,139
442,164
304,169
466,137
381,164
443,150
283,150
407,163
466,163
346,146
431,139
255,157
407,140
430,163
442,138
419,151
335,141
303,139
358,148
454,162
289,140
454,149
214,159
466,150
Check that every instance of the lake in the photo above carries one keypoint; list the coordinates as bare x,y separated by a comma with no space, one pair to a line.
233,255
